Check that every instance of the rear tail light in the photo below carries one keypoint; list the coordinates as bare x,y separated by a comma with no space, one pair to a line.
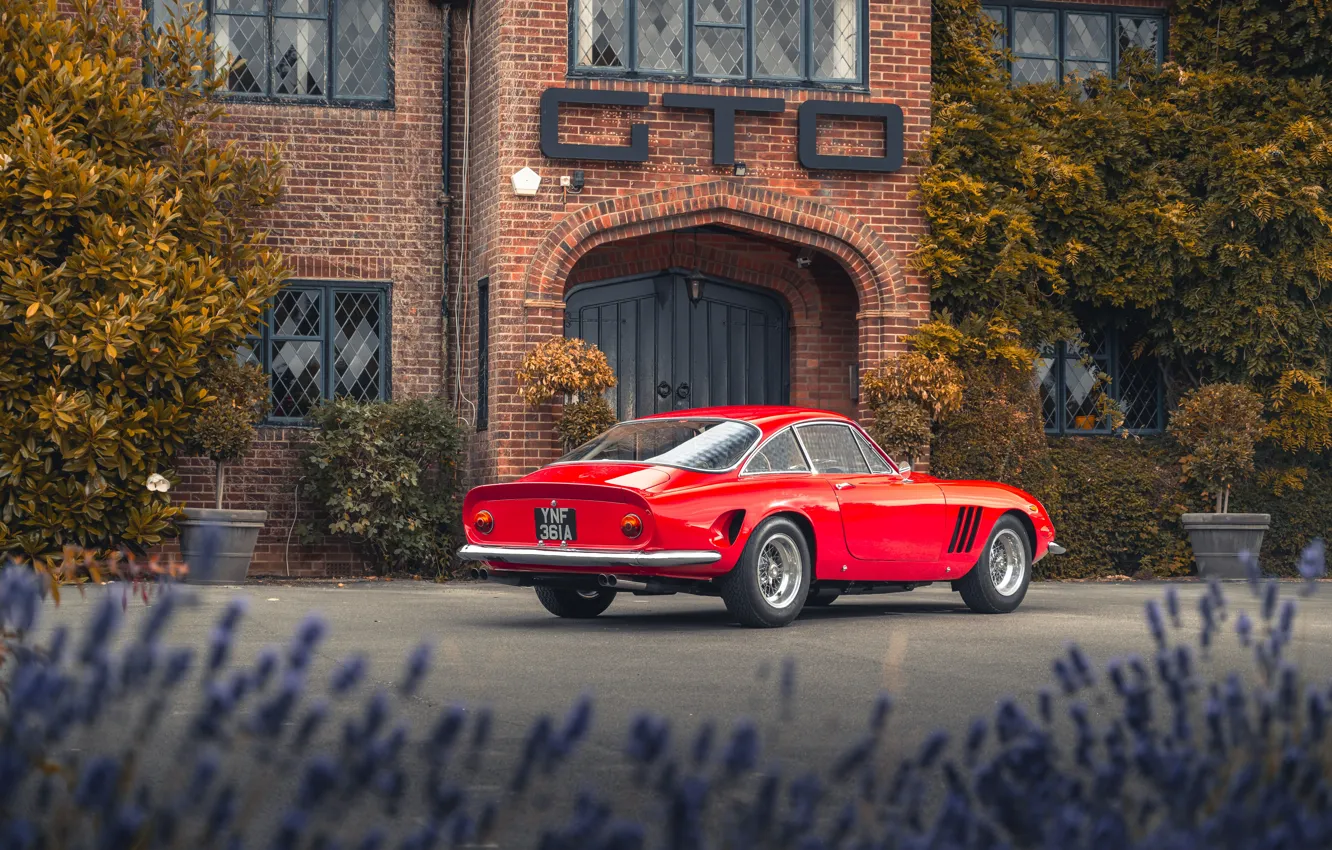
483,522
631,525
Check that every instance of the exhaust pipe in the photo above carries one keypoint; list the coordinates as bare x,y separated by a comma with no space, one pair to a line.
614,583
479,573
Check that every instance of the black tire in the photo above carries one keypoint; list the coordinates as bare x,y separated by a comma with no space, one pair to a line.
822,597
575,604
980,589
740,588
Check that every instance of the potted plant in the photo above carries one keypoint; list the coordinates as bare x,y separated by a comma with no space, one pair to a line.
577,372
218,544
1217,426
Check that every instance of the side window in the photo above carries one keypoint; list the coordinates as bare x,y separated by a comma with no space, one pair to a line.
780,454
877,464
833,450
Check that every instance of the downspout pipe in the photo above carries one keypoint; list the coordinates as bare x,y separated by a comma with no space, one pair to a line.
445,200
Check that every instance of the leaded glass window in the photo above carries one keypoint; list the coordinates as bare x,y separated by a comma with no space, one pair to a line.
1078,379
318,51
1049,43
322,341
809,41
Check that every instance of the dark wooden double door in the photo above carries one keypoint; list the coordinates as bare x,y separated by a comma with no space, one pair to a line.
731,347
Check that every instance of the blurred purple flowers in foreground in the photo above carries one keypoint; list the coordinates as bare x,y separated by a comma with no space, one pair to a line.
1148,753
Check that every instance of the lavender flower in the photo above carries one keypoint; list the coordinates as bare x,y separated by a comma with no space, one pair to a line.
1244,628
742,751
418,663
348,674
1172,605
1155,623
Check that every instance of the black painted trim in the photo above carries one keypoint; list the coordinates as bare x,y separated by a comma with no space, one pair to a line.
893,142
807,81
388,102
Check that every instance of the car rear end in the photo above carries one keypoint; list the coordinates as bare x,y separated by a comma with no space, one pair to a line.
572,529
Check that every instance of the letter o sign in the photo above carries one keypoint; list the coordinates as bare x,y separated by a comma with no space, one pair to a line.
889,113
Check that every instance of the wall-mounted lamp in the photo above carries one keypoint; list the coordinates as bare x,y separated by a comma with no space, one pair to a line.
695,282
804,258
526,182
740,169
577,181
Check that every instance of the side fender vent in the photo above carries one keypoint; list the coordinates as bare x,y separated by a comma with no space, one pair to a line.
733,527
964,530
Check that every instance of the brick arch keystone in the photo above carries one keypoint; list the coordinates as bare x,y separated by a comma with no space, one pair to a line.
867,258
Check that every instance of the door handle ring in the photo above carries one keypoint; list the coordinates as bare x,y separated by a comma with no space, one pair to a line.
682,391
664,390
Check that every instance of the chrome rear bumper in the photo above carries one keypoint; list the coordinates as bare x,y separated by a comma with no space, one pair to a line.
554,557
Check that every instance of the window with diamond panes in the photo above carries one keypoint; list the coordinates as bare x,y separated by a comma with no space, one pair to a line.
1073,377
794,41
322,341
1049,43
321,51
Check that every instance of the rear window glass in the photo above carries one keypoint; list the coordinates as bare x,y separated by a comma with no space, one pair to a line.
710,445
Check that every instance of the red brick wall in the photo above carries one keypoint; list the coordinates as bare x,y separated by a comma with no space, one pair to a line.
866,224
362,202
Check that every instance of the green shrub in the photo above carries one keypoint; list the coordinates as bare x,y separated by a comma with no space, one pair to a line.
1300,513
998,433
387,473
1116,505
127,259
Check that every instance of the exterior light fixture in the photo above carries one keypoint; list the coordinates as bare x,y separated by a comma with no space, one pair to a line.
526,182
740,169
695,283
694,280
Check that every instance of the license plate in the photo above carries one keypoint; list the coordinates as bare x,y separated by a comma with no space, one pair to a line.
556,524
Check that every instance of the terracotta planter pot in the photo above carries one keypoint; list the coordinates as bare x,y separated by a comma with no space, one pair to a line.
1218,539
218,545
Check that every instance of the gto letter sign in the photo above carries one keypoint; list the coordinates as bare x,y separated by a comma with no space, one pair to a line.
723,111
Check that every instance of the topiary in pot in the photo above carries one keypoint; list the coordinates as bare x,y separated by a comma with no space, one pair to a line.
1218,426
577,371
219,544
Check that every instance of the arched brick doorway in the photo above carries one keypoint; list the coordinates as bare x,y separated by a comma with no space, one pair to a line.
678,339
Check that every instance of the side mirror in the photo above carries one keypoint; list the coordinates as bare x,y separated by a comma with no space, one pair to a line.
904,469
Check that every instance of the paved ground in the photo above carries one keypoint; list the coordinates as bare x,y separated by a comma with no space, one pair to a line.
682,657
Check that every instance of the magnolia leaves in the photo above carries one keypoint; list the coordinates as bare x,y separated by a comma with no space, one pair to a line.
128,259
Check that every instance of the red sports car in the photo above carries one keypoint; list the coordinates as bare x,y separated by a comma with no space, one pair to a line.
770,508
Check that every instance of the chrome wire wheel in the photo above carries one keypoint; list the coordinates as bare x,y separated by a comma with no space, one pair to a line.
1008,562
779,570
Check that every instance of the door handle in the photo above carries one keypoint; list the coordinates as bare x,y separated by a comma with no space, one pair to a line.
664,389
844,485
682,391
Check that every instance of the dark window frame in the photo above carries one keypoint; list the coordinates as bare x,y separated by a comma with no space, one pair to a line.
1114,12
483,354
750,79
1115,360
262,346
330,98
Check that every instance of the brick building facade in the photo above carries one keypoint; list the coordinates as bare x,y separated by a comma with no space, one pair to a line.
772,274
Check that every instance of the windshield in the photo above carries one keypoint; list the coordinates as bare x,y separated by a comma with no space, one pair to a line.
710,445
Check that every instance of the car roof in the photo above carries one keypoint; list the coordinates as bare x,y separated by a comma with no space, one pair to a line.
769,418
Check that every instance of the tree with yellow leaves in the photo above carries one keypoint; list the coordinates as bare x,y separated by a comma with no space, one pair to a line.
128,262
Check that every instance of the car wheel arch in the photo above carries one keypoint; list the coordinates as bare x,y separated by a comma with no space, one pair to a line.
801,521
1027,525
